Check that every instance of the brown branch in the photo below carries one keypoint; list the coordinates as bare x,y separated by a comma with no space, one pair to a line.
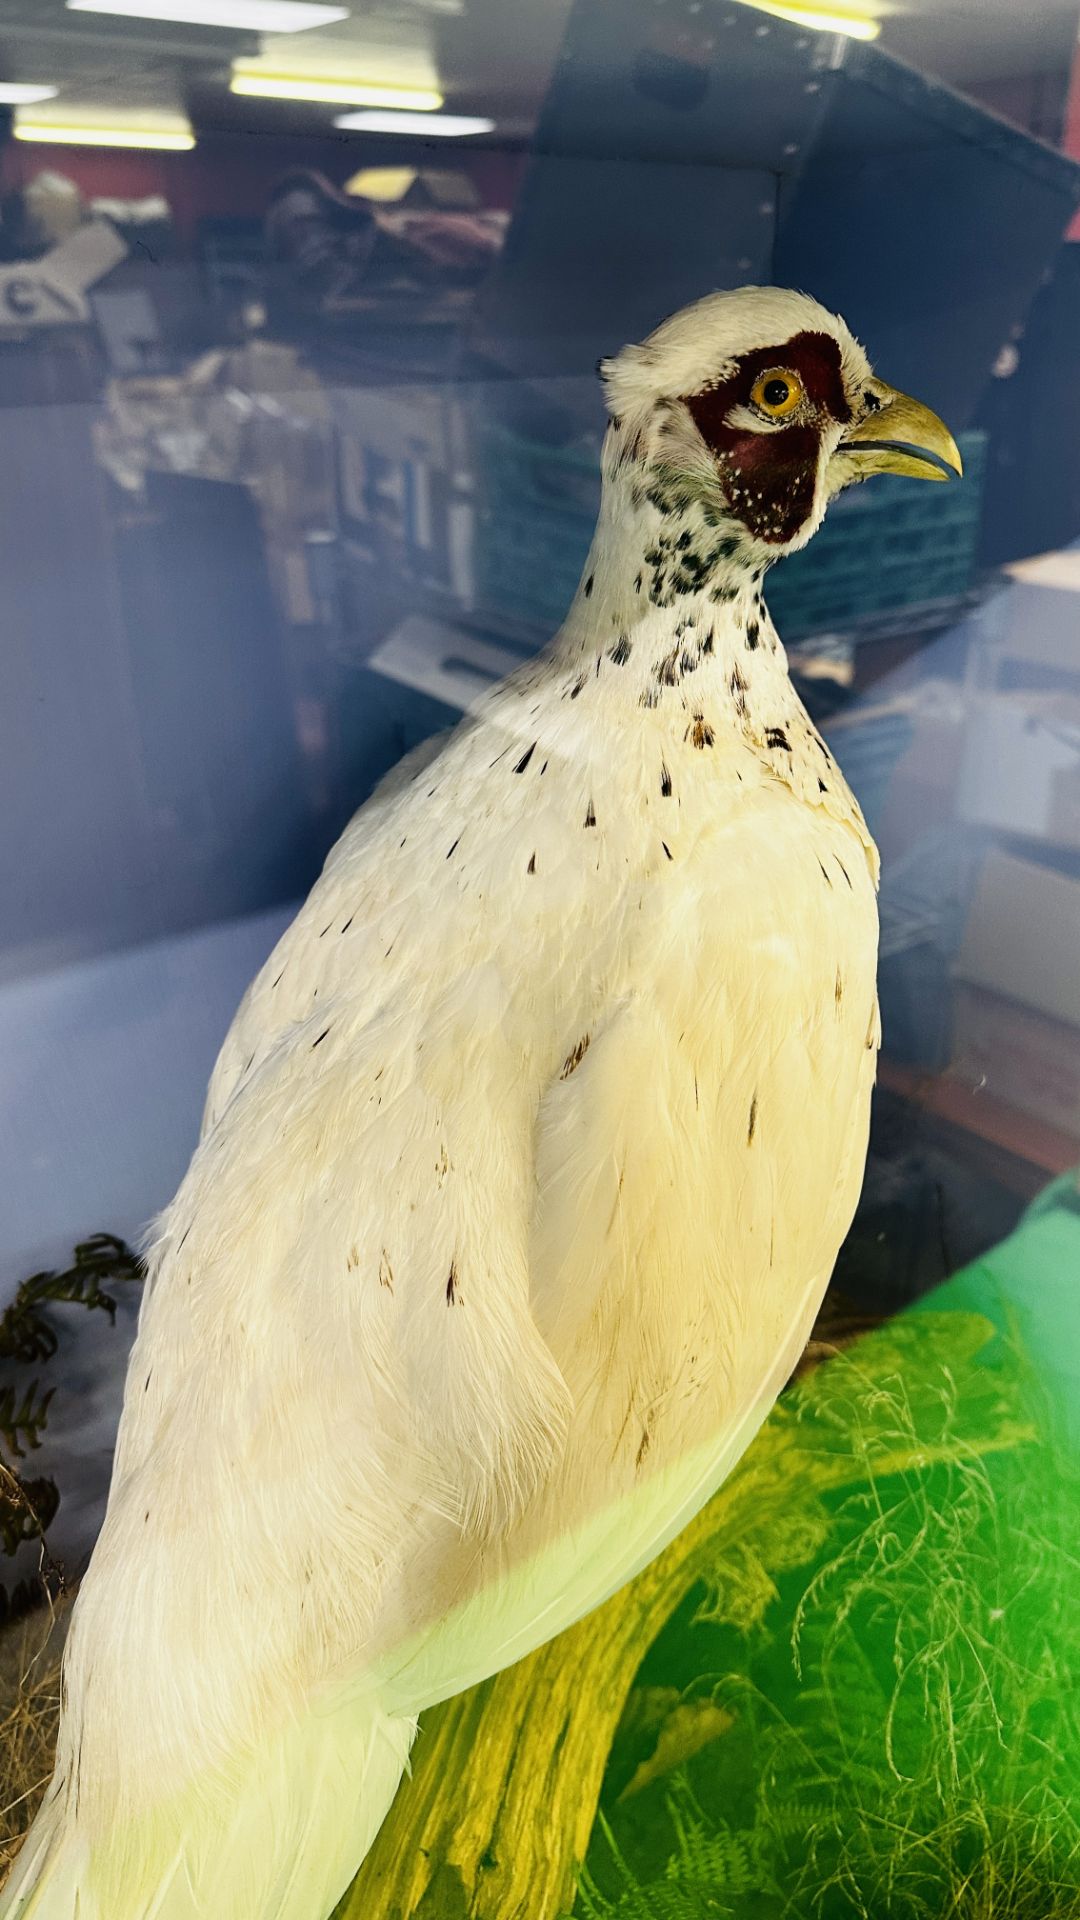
506,1780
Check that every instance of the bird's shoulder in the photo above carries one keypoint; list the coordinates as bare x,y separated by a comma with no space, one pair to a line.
482,850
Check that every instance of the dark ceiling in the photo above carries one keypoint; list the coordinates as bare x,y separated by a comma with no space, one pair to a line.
488,56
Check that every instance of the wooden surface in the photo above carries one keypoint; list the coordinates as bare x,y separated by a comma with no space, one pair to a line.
1016,1148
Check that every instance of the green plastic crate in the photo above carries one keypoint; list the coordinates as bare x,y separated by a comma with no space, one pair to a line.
536,514
891,543
887,544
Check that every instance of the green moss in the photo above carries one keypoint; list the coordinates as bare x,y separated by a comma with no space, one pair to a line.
902,1730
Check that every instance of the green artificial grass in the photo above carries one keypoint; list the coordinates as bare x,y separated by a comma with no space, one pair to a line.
895,1722
859,1697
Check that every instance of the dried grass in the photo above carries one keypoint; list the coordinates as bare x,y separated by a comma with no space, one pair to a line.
30,1650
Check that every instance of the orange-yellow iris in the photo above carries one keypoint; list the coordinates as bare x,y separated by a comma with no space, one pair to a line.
777,392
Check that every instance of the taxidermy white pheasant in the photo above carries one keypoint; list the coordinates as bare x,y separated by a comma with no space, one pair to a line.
523,1172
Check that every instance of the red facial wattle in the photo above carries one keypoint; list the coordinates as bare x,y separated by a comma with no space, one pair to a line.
770,477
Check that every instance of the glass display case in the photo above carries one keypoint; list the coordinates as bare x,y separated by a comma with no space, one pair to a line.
301,315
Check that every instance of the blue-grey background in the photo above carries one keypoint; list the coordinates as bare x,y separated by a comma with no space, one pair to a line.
272,509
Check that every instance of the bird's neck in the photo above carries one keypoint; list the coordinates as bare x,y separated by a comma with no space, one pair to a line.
669,614
669,642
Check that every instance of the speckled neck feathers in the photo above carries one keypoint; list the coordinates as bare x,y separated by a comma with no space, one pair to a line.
670,619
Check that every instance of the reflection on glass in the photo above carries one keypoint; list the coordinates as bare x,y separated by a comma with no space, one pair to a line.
301,457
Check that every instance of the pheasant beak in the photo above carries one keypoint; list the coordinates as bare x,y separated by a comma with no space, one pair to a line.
900,436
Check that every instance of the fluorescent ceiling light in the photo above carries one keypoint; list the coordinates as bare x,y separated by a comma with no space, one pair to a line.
251,16
88,136
381,183
23,93
445,126
356,93
857,26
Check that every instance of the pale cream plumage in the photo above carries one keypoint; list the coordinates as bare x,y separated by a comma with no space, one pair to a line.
524,1167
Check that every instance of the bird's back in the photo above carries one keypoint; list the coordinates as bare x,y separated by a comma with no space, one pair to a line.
525,1165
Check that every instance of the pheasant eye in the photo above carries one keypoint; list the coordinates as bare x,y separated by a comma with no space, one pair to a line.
777,392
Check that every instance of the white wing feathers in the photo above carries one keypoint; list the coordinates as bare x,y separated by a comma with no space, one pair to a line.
404,1253
282,1843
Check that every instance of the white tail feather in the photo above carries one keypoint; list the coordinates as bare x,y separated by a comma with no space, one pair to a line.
283,1846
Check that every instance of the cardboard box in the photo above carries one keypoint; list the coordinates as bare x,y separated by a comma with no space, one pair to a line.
1016,998
1022,936
1021,766
1018,1056
1037,619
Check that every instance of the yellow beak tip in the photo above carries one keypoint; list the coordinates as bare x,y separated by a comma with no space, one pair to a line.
903,436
